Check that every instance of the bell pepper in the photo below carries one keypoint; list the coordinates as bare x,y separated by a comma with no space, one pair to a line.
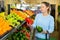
29,21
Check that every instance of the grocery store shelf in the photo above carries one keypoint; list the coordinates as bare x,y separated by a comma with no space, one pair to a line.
20,25
3,38
11,32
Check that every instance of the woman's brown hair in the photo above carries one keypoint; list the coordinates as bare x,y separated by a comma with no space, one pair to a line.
47,5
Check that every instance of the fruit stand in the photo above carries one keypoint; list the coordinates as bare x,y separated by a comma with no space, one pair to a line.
15,24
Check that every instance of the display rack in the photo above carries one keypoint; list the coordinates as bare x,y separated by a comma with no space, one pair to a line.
14,29
3,38
11,32
20,25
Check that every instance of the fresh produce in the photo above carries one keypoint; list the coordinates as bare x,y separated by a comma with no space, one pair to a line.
29,12
21,14
39,29
14,19
29,21
26,31
4,26
21,34
28,35
17,36
2,14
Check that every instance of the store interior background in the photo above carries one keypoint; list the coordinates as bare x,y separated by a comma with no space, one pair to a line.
55,12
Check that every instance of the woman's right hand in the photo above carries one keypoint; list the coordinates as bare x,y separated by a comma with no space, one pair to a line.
28,25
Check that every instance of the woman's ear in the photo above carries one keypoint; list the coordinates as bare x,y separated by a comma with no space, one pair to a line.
47,8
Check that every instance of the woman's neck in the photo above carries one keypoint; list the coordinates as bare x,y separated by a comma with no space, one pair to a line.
45,14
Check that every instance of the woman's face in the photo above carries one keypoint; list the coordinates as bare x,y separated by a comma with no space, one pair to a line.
43,8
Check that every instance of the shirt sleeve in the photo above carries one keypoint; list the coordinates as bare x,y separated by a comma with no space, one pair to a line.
51,25
35,22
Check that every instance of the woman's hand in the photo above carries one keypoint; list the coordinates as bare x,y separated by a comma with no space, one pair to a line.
44,32
28,25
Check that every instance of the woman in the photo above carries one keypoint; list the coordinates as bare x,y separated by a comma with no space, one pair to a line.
44,20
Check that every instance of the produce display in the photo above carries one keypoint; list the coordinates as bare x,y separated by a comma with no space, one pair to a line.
39,29
23,32
14,19
21,14
29,12
20,34
4,27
